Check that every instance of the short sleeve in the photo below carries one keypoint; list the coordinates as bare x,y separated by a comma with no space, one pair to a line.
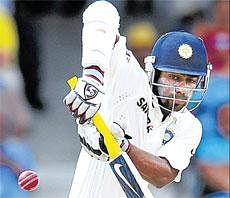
182,147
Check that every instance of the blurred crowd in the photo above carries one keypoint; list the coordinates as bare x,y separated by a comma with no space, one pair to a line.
213,153
20,78
15,155
211,163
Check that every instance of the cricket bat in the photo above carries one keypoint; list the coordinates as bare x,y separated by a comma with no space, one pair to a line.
126,173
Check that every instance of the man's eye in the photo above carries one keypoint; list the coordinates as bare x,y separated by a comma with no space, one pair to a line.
193,81
173,77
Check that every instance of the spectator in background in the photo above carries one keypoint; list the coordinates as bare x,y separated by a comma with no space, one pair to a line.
15,156
10,76
187,21
8,39
216,36
137,7
29,54
141,37
26,13
213,152
70,8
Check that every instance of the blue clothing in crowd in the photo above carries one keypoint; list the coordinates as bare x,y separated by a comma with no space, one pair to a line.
20,154
214,146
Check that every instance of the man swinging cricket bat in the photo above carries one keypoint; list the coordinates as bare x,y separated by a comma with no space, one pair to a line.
152,109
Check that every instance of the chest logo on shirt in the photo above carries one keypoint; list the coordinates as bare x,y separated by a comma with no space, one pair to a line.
167,137
142,103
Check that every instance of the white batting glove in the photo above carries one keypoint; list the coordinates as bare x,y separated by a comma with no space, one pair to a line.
85,100
92,141
118,132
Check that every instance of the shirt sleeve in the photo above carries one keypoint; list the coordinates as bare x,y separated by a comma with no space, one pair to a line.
182,147
100,28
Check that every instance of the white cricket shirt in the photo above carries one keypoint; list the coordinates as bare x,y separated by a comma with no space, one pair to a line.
128,100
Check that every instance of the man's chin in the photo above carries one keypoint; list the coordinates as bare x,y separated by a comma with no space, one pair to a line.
178,107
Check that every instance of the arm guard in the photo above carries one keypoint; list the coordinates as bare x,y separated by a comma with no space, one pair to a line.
101,23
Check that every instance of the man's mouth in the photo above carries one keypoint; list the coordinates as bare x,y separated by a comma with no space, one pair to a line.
179,102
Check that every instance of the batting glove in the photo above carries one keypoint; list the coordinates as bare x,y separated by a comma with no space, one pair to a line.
85,100
118,132
92,141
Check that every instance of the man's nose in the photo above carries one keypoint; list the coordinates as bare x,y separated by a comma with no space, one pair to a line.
181,87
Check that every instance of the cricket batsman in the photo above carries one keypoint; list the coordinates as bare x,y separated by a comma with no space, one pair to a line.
148,111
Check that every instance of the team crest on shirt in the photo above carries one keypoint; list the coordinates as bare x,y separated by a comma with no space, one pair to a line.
168,136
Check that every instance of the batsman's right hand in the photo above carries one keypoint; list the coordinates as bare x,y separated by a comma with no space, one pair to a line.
85,99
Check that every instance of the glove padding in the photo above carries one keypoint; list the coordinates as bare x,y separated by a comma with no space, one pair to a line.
85,100
118,132
93,142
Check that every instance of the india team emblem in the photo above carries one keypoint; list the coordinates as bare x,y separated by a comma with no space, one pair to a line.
185,51
167,137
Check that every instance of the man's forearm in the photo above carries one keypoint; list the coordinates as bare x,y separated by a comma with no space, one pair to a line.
154,169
